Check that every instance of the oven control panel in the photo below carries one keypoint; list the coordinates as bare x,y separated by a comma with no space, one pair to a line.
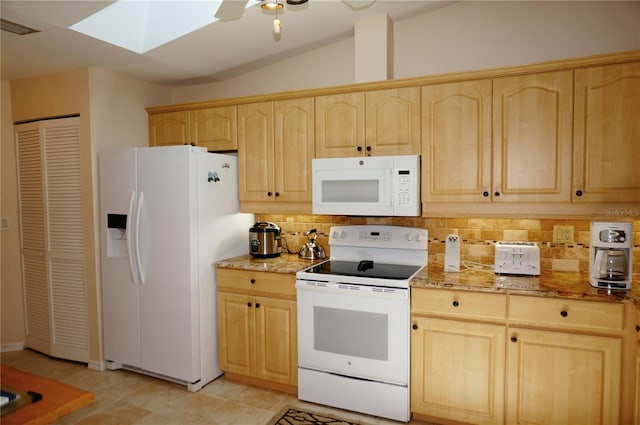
379,236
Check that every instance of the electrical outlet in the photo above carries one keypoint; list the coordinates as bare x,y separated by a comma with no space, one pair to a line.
562,234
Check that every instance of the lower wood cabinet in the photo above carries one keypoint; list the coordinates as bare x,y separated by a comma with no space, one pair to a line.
562,378
539,361
257,328
457,358
457,370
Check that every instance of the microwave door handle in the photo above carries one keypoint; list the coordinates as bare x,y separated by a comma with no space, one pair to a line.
390,189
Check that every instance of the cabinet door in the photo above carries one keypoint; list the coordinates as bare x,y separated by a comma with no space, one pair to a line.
393,121
457,370
169,128
532,137
294,149
214,128
236,333
556,378
456,142
607,134
256,180
340,125
276,340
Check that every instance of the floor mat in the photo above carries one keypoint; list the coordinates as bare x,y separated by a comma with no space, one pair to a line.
295,416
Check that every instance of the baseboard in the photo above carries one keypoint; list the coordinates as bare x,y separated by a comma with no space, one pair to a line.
12,346
99,365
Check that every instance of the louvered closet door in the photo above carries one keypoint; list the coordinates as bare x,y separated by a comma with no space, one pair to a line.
57,295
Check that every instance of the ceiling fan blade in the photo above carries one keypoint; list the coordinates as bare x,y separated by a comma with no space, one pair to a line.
358,4
230,10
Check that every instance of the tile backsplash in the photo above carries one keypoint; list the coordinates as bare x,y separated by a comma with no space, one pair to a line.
478,236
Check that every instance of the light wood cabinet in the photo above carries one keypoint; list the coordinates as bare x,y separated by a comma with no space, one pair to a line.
636,411
257,328
275,149
213,128
558,371
456,142
372,123
607,134
501,140
458,355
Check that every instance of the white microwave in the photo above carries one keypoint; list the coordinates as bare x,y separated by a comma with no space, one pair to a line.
367,186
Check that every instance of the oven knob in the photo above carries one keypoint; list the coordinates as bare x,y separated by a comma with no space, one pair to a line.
335,234
420,237
409,237
343,234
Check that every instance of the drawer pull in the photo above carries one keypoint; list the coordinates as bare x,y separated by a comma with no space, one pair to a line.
252,281
637,328
249,304
564,313
455,303
414,326
257,305
514,339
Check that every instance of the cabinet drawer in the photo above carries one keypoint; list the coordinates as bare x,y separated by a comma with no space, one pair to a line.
461,304
253,282
564,313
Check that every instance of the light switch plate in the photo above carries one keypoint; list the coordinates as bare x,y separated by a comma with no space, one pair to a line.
563,234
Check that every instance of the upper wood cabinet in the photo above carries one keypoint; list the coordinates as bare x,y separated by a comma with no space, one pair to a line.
501,140
213,128
456,142
607,134
379,122
275,148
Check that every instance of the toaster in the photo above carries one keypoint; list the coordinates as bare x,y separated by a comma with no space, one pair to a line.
519,258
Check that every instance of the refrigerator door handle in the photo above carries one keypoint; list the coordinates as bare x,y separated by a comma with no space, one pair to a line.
137,239
129,235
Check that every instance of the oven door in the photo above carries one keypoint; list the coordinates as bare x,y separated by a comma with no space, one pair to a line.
354,330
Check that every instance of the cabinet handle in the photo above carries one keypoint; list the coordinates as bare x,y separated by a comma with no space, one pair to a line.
368,148
578,193
564,313
359,148
455,303
277,193
496,193
269,193
252,281
257,305
514,339
414,326
485,194
249,304
637,328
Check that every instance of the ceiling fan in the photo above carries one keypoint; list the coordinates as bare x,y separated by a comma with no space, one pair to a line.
231,10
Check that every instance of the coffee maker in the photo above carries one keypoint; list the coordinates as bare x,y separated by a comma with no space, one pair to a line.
610,262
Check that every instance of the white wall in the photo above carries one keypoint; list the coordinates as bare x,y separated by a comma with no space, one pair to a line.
12,318
463,36
474,35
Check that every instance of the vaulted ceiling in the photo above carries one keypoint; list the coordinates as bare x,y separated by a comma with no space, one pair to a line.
211,53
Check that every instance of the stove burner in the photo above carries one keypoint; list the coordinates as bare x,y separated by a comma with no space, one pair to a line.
364,268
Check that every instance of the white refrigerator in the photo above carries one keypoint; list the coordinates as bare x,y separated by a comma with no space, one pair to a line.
167,214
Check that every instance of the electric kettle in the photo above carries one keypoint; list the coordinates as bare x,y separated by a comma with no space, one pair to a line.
311,250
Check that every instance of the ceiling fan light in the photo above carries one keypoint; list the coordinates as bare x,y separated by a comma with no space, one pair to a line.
271,4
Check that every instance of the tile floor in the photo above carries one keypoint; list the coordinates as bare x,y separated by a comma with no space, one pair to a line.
123,397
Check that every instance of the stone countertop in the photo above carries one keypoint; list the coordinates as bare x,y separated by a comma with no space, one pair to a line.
548,284
285,263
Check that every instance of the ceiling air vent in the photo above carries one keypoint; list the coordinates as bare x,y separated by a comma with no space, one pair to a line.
16,28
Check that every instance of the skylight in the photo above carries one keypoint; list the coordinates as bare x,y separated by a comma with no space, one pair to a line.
143,25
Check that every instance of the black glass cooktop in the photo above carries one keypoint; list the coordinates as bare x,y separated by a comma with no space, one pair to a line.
365,269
